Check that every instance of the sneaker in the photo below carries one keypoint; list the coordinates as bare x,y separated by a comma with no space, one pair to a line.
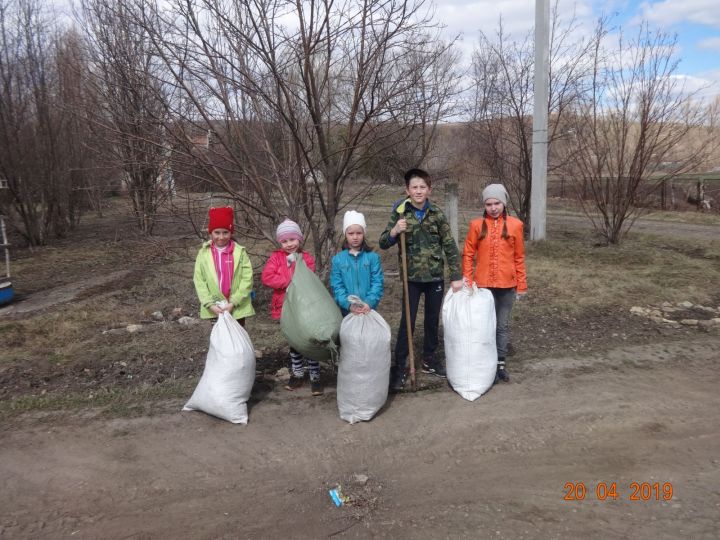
434,368
294,383
502,375
397,383
316,388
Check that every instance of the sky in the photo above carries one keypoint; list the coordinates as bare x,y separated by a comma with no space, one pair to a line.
695,22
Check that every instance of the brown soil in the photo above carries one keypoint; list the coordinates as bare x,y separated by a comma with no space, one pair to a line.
437,466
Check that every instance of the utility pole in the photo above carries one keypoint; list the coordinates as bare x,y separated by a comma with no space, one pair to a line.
538,190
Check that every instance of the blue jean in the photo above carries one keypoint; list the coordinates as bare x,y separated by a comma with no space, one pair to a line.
504,300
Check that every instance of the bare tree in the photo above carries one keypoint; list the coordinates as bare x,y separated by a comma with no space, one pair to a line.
78,158
129,111
500,129
633,117
297,96
501,124
435,97
40,154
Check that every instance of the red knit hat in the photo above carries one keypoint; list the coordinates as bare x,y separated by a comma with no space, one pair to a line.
220,218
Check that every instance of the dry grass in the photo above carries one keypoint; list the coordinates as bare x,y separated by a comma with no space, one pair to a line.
574,275
111,402
57,358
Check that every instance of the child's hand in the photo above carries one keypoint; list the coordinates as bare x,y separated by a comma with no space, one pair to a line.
519,297
359,309
229,307
217,310
400,227
290,258
456,285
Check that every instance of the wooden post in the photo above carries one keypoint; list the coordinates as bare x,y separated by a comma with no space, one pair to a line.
451,208
5,246
673,202
700,194
663,196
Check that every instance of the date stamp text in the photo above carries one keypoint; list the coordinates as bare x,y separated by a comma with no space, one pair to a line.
604,491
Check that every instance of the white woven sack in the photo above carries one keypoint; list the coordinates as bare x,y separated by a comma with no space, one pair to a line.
227,381
469,330
364,369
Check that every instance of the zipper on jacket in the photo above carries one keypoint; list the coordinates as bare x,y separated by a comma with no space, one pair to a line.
357,273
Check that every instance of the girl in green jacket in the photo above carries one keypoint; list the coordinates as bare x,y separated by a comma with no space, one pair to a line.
223,274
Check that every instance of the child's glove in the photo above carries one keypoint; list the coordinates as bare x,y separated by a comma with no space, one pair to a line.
290,258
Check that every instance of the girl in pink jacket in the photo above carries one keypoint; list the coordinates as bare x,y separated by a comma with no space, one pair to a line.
277,274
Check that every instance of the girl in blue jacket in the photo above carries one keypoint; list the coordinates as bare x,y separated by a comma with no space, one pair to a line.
356,270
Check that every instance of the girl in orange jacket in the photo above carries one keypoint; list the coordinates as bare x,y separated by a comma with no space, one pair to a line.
494,244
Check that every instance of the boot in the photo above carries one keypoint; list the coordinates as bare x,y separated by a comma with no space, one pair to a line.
501,374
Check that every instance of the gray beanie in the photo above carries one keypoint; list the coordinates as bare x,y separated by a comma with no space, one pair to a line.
495,191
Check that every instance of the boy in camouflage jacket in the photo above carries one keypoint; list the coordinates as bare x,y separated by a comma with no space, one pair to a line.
428,238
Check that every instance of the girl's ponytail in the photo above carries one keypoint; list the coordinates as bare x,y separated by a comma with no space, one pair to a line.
484,230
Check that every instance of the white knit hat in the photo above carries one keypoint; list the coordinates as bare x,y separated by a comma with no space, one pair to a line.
495,191
354,218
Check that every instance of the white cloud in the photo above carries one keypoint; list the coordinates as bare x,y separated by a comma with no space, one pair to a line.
671,12
704,86
467,18
710,43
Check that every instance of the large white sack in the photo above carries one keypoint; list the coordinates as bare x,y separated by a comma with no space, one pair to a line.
227,381
364,369
469,330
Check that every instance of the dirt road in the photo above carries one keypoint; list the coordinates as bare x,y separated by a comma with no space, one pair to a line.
436,465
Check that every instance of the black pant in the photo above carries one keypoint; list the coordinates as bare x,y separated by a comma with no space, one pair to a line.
434,292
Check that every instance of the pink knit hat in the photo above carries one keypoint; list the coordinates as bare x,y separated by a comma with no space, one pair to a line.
288,229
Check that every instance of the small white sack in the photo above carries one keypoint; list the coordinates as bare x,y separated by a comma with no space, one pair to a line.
470,353
227,381
364,368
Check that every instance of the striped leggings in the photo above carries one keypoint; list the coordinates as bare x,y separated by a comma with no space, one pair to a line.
297,362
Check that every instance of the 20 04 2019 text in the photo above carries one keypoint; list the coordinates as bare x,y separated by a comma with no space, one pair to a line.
635,491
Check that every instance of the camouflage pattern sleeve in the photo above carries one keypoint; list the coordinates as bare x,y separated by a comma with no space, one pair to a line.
449,246
387,241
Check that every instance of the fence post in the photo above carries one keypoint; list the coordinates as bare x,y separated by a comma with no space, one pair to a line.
663,196
700,193
451,208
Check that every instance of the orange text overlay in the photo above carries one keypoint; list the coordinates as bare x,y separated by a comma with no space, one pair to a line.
604,491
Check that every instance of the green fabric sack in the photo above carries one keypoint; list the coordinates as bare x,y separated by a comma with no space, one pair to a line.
310,318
